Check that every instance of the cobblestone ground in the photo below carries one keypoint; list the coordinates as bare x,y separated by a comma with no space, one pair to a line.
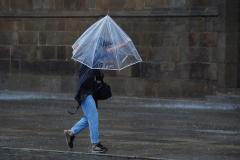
34,130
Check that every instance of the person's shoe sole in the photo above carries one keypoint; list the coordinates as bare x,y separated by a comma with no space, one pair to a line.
102,151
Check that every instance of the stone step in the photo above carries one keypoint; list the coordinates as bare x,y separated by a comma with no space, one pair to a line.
226,96
229,91
211,102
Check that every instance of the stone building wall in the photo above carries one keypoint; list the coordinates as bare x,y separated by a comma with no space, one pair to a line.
184,45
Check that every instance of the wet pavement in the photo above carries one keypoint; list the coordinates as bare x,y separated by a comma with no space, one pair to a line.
33,129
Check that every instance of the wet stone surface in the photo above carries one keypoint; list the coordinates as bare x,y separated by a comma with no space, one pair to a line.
34,130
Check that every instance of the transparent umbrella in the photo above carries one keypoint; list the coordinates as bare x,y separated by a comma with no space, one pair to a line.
104,45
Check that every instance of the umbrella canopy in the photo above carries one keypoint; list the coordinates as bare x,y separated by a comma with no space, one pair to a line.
104,45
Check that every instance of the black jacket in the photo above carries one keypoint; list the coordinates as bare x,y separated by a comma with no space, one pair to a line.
87,82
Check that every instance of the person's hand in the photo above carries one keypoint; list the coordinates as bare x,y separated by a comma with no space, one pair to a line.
110,50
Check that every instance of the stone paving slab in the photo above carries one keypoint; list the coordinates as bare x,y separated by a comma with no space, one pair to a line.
127,130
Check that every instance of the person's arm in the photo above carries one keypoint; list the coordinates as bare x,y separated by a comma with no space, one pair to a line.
110,49
99,75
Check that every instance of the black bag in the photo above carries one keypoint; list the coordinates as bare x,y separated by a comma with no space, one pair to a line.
103,91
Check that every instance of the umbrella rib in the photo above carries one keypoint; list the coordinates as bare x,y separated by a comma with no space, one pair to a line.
95,46
113,41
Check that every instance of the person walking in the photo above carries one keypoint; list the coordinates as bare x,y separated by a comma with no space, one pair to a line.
104,45
86,87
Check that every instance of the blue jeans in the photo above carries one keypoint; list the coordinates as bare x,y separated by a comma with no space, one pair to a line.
90,119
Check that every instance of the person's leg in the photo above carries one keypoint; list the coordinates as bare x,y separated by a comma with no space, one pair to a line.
77,128
80,125
91,113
